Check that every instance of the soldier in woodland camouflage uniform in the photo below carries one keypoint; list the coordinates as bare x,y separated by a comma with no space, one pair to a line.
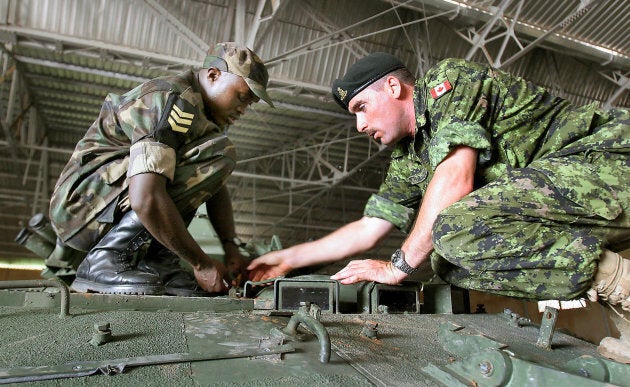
153,156
502,187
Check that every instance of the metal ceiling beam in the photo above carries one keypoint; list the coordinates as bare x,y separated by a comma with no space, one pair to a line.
39,147
132,54
173,23
581,9
20,116
240,26
261,24
296,182
320,170
52,84
623,83
318,18
304,109
319,89
80,69
312,148
253,30
5,128
480,38
571,45
506,27
315,172
309,48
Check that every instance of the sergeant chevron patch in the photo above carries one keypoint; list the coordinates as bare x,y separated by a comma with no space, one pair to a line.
179,120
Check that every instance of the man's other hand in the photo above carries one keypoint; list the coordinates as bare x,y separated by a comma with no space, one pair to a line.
369,270
270,265
211,277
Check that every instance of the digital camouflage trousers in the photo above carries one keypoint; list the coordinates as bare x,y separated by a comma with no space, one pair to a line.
537,232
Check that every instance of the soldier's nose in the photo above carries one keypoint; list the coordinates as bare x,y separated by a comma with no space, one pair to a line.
361,126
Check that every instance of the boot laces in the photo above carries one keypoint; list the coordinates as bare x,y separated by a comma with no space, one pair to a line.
613,290
621,314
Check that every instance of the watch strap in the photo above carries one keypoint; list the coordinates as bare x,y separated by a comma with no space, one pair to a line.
398,261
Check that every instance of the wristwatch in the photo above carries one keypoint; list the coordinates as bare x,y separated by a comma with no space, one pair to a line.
398,261
236,241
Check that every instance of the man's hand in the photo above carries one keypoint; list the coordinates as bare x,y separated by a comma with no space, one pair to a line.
270,265
211,276
236,265
369,270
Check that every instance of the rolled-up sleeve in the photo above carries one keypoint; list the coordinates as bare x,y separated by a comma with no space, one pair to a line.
152,157
401,192
455,132
154,143
397,214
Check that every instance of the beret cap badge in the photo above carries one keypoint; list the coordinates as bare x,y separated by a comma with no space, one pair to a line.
342,93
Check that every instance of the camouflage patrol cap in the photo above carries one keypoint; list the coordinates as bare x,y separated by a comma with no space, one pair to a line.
242,61
362,74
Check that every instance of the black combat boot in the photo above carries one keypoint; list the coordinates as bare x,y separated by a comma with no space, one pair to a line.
165,264
108,266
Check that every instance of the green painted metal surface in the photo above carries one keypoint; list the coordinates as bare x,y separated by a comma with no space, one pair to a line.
379,348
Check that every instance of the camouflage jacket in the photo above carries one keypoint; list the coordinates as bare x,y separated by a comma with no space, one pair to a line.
155,123
510,121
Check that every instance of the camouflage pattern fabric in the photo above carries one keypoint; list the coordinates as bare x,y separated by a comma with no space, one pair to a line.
242,61
158,127
552,182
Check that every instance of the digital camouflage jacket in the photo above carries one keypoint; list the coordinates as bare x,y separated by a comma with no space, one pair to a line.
512,123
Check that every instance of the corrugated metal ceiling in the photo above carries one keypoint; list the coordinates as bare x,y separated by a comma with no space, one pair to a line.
304,170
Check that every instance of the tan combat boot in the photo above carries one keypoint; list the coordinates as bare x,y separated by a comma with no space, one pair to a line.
611,286
617,349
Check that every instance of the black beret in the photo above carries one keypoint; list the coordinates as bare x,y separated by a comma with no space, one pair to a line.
362,74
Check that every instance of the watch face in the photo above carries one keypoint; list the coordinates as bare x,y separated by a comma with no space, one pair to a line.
397,256
398,260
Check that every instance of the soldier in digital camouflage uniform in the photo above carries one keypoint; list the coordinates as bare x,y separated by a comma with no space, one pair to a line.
152,157
502,187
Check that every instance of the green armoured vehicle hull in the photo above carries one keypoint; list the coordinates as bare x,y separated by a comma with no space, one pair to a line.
271,340
305,330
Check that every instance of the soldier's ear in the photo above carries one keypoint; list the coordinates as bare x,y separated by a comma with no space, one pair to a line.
393,87
213,74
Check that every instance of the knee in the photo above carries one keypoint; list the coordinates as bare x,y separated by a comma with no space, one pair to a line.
449,235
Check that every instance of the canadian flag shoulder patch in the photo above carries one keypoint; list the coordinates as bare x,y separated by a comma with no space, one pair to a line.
441,89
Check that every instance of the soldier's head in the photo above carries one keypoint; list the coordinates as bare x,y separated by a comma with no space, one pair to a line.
232,78
378,89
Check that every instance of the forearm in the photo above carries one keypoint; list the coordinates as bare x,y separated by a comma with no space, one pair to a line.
351,239
419,244
160,217
220,214
453,179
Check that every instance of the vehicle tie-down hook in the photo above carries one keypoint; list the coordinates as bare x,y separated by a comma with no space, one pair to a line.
308,315
63,290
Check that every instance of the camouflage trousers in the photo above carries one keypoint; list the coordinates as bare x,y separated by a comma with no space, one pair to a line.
202,169
537,232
